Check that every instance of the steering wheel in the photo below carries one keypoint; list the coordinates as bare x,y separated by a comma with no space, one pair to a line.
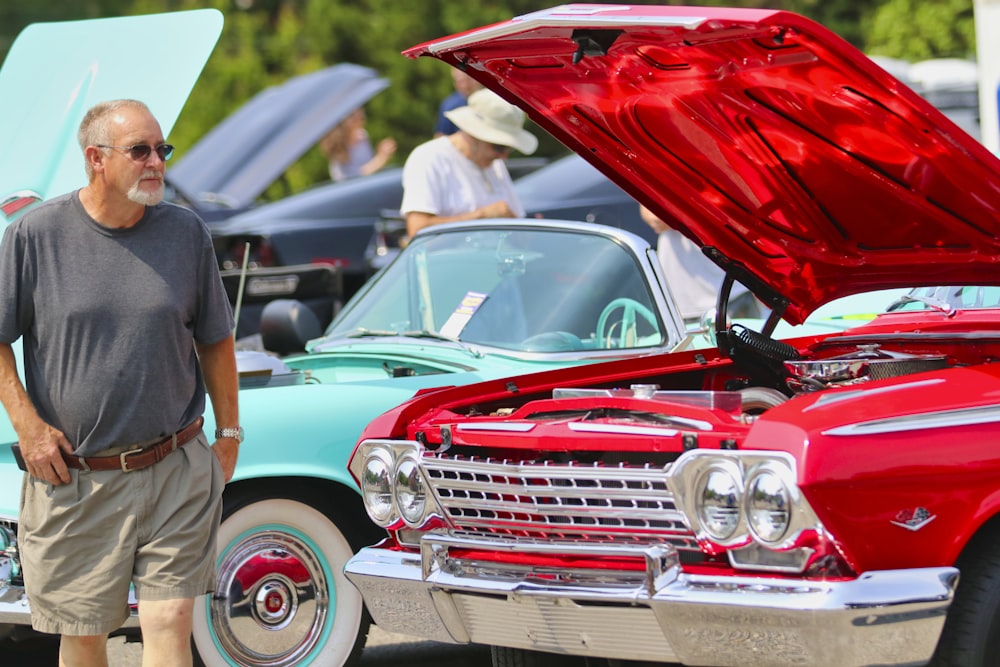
630,308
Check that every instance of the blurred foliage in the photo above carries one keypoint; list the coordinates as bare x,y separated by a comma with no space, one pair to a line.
920,29
265,42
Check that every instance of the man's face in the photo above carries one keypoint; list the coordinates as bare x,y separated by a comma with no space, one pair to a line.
464,84
139,180
484,153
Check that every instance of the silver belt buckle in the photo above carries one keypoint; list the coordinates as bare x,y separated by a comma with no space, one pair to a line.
123,462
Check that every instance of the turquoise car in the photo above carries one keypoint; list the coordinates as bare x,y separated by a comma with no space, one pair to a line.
462,303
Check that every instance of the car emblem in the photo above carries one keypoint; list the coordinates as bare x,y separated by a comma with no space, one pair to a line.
914,519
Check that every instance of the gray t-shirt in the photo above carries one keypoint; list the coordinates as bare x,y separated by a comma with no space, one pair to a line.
109,319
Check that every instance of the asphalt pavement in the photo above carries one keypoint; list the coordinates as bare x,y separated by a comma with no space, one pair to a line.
383,649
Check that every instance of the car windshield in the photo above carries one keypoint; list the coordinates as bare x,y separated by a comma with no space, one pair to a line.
524,290
948,298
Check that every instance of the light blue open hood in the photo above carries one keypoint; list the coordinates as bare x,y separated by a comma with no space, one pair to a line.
54,72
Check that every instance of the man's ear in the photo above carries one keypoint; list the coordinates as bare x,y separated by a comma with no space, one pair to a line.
94,157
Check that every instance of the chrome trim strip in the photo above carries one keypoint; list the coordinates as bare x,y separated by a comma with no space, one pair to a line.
662,564
828,398
986,414
564,15
624,429
516,427
523,546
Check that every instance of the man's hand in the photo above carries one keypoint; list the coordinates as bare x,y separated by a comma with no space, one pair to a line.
42,447
227,450
498,209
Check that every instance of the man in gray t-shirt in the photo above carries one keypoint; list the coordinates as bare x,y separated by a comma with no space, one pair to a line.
125,325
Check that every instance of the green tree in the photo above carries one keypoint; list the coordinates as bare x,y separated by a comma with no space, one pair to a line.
15,16
921,29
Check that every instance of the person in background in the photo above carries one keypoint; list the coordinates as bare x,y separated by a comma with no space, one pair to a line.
348,149
694,279
462,176
125,325
465,85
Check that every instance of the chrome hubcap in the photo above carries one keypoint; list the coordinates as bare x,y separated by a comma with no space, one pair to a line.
271,600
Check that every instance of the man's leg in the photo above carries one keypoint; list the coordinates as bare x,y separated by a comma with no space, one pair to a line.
166,632
85,651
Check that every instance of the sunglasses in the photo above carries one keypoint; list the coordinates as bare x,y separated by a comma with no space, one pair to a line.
141,152
500,149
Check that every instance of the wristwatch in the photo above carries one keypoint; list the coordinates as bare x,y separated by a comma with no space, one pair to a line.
236,433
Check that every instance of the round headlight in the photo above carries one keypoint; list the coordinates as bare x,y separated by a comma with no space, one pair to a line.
411,497
719,504
768,507
376,487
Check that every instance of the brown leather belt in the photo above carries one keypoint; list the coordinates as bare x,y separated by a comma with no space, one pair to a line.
140,457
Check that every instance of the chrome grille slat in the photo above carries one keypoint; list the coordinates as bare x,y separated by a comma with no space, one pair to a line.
537,500
570,490
550,509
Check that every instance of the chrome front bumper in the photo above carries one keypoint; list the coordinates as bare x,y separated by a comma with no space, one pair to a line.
891,617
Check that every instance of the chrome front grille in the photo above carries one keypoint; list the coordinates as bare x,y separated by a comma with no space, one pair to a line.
558,501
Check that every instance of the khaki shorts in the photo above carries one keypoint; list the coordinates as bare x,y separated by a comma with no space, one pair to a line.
83,543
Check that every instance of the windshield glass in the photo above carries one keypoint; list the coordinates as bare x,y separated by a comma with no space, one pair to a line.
962,297
525,290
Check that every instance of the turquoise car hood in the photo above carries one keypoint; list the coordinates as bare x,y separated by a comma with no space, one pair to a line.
84,62
393,358
349,387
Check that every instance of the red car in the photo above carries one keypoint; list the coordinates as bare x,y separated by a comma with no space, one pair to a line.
826,500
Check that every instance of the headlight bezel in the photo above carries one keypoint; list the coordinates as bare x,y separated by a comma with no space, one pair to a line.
396,454
685,480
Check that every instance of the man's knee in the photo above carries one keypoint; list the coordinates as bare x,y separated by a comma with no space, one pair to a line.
167,616
83,649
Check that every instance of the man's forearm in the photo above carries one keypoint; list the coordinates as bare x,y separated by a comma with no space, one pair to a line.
12,393
218,363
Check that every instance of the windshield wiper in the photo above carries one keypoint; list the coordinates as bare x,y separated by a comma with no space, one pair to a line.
934,304
361,332
428,334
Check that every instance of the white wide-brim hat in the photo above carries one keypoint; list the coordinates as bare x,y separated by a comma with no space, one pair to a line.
488,117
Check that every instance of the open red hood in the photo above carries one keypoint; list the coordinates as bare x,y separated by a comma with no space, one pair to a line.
760,134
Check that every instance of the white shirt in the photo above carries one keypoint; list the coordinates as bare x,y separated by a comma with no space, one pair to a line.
439,180
694,279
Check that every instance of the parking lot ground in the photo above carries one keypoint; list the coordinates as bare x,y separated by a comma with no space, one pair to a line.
382,650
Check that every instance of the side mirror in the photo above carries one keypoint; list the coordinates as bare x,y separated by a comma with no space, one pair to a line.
697,333
286,325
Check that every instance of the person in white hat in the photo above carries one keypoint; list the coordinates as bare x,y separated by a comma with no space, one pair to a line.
462,176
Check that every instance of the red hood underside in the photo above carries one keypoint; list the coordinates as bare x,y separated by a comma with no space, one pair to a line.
760,134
